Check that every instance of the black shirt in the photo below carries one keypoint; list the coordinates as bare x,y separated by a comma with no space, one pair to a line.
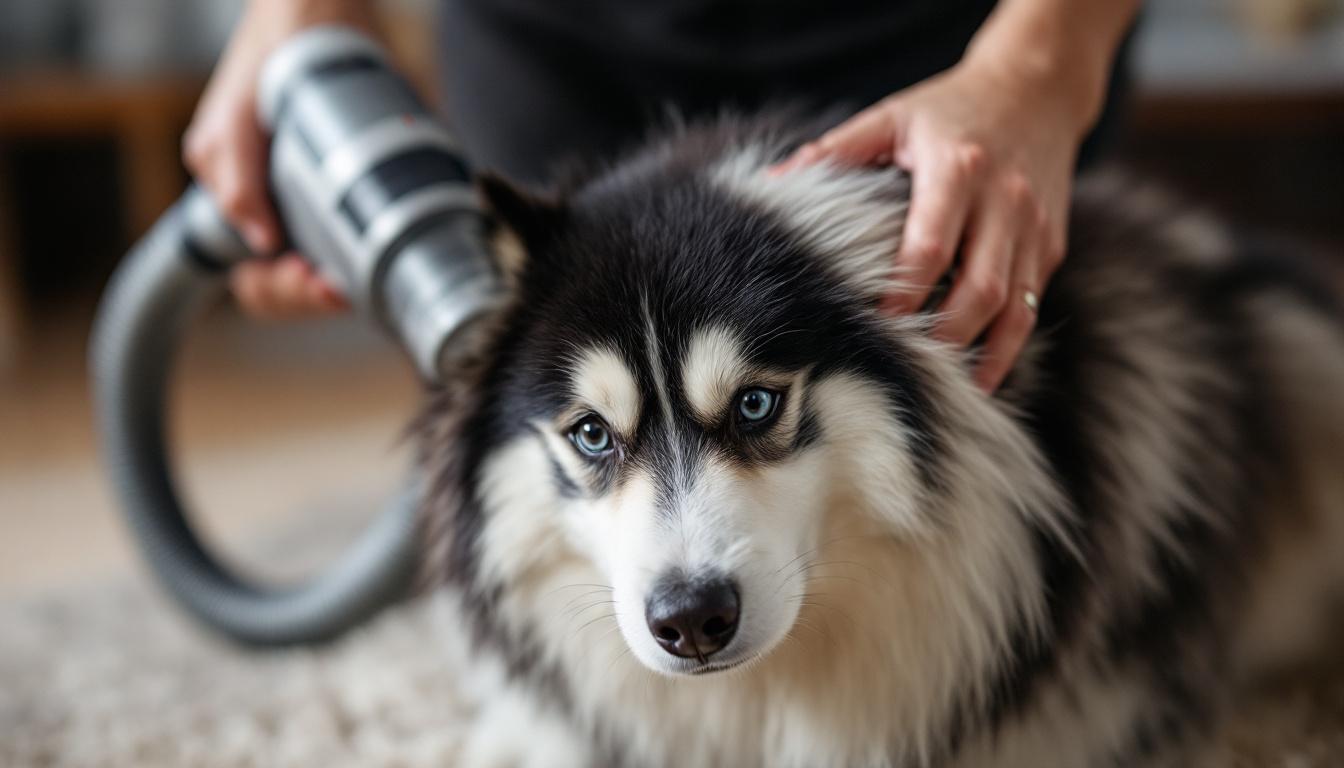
532,83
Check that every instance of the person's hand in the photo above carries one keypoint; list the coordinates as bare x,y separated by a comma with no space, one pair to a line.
226,150
991,156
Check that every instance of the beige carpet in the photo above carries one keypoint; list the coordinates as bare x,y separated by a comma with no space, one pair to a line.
110,675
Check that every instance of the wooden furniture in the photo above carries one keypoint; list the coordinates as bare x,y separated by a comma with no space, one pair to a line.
144,117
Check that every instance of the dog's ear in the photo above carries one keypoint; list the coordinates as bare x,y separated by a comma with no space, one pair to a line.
533,216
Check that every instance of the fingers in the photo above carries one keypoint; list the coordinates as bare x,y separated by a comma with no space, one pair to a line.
285,287
239,187
940,201
869,137
994,237
1013,326
234,171
226,152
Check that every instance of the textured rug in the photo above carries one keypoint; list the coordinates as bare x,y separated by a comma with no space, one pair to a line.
110,674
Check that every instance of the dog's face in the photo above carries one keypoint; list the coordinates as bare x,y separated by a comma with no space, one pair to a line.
683,392
690,472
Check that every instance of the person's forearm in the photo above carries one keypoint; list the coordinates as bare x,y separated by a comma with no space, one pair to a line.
267,23
1070,45
321,11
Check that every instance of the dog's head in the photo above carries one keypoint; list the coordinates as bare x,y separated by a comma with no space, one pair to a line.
695,376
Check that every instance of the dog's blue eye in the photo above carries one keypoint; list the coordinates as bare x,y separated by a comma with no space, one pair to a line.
591,436
756,405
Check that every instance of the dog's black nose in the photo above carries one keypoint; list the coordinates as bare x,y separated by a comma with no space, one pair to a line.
692,619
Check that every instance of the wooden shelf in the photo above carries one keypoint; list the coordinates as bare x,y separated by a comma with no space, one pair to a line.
144,116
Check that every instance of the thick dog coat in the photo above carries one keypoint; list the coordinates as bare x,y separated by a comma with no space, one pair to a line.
707,505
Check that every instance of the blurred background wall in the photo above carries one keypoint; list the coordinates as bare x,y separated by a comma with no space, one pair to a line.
1240,103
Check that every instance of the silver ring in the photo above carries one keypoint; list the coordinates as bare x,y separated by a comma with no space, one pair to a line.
1030,300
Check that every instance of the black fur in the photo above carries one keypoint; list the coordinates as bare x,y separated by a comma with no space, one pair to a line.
648,241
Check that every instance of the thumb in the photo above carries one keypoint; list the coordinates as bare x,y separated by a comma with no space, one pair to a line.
240,176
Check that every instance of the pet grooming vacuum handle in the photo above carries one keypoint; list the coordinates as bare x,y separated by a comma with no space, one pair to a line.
370,187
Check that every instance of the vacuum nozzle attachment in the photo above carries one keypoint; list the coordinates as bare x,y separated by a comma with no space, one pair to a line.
371,188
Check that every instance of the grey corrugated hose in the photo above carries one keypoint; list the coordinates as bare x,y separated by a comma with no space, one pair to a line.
156,294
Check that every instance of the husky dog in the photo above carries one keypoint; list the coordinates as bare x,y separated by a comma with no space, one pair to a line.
706,505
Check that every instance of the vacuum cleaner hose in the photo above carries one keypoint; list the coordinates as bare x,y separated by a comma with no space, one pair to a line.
156,294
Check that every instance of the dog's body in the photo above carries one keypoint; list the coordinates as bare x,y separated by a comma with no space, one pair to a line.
696,403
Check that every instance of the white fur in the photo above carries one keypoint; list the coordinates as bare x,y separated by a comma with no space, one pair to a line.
716,368
602,382
654,349
713,371
854,217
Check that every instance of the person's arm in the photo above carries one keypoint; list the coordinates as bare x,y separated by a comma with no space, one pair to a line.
226,150
991,146
1066,45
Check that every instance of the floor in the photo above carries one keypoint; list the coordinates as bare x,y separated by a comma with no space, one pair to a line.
264,416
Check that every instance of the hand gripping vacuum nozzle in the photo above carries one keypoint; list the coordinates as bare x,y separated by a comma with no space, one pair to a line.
370,188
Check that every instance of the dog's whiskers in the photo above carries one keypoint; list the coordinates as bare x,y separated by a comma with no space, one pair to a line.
576,612
582,596
612,665
811,551
825,636
862,566
835,576
817,550
574,586
585,606
810,578
591,622
808,599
